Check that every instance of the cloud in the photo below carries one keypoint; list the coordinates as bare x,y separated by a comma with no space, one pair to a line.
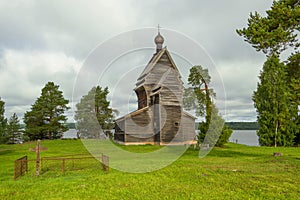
210,23
74,27
43,41
24,74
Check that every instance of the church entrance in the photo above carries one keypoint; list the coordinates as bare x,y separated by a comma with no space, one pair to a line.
156,118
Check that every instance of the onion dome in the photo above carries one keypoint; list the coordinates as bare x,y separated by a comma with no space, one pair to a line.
159,40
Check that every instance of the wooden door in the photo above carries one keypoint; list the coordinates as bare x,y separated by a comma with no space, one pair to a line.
156,119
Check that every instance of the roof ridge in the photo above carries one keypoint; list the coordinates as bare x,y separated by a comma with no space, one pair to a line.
151,63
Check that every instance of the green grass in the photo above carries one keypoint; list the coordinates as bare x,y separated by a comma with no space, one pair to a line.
233,172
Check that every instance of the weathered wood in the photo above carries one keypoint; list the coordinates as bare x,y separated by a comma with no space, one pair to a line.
160,117
20,167
38,150
105,163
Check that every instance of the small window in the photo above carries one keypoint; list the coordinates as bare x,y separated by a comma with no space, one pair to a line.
176,124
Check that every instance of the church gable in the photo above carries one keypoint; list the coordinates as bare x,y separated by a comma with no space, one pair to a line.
162,59
160,116
160,75
168,80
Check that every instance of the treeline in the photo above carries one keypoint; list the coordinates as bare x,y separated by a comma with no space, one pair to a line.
239,125
70,125
243,125
47,120
232,125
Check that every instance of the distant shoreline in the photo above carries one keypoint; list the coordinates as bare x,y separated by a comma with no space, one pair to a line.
232,125
243,125
240,125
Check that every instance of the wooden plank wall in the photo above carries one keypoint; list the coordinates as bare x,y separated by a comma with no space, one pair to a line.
139,126
164,79
170,129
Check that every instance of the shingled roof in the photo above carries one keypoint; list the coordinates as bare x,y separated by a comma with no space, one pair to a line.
142,79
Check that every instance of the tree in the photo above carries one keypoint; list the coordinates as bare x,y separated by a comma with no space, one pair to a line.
14,130
272,102
93,115
273,34
293,81
199,97
276,31
46,118
3,123
215,132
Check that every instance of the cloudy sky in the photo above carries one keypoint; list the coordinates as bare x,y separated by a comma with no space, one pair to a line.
43,41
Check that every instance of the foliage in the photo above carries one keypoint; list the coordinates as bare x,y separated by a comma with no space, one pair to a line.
3,123
272,34
224,137
276,31
199,97
272,102
293,80
233,172
14,132
46,118
214,133
93,114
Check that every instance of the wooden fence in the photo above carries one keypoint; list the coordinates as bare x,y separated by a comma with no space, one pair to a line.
21,166
74,162
81,163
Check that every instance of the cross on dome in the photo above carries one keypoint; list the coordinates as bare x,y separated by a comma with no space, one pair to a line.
159,40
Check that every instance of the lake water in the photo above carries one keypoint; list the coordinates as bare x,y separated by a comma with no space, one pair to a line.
247,137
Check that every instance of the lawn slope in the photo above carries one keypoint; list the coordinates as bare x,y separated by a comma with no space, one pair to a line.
233,172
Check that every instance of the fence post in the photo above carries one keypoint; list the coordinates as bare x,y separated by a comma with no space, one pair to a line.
15,171
105,162
63,166
22,163
26,161
42,164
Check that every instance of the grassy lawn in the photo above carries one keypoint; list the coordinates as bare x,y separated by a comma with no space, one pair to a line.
233,172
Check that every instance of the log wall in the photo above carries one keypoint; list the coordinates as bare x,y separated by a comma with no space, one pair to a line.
160,79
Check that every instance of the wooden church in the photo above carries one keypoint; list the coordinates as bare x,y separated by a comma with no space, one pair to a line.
160,118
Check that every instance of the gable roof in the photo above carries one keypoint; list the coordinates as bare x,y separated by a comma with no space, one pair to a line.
153,61
132,114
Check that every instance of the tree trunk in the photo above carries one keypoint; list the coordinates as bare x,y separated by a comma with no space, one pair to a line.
276,130
208,104
50,121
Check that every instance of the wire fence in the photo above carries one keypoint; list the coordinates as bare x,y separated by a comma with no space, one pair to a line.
77,162
20,167
60,165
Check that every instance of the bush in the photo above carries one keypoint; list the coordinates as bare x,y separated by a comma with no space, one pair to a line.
224,137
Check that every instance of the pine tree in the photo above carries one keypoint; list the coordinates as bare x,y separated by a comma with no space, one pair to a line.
199,97
273,34
46,119
14,130
272,100
293,81
93,115
3,123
